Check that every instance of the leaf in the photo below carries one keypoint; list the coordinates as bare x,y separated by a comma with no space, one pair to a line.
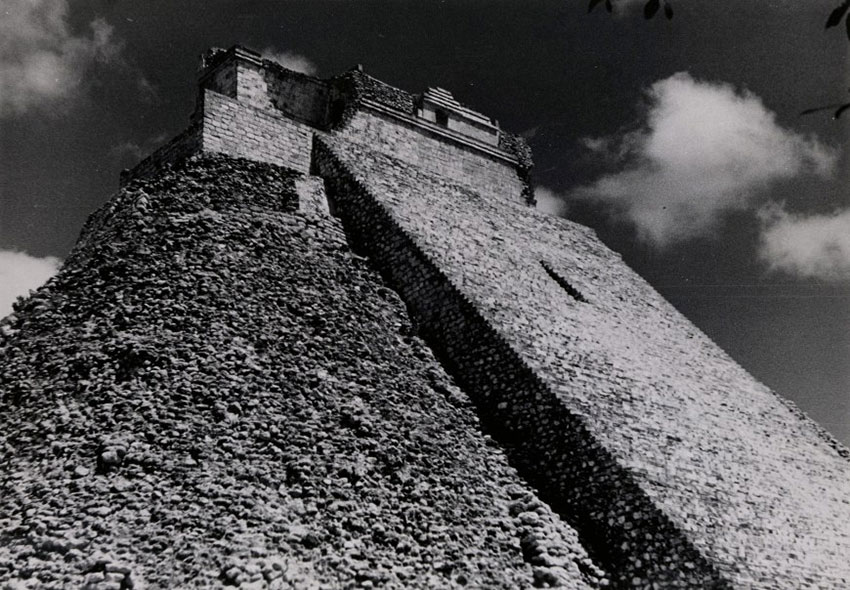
836,15
650,8
668,10
818,109
840,106
608,6
593,4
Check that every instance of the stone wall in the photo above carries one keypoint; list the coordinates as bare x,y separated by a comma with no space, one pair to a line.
491,175
179,148
627,403
242,74
439,106
238,129
254,108
298,95
220,78
455,121
226,125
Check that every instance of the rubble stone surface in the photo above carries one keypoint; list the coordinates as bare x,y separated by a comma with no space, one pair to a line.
676,466
215,391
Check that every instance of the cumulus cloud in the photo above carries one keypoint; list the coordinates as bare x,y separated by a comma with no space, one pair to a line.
703,150
42,62
549,201
291,60
627,7
129,149
814,246
19,273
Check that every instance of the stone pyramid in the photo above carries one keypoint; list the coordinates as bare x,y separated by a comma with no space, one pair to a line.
322,339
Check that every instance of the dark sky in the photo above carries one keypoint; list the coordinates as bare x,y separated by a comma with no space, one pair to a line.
679,142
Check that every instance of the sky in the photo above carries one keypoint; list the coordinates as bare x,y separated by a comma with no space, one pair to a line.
680,142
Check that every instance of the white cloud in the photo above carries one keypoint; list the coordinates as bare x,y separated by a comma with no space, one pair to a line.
129,149
549,201
705,149
41,61
627,6
19,273
291,60
815,246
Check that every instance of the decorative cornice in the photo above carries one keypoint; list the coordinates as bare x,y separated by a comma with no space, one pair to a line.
439,131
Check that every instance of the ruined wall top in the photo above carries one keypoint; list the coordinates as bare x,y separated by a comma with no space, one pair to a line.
327,104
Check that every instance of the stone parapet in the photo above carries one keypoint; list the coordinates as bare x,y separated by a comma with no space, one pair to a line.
242,130
252,107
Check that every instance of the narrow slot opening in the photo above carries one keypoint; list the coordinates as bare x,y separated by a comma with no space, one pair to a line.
442,118
571,291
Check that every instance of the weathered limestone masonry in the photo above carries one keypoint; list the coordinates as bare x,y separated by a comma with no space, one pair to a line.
631,422
254,108
553,448
189,405
677,469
